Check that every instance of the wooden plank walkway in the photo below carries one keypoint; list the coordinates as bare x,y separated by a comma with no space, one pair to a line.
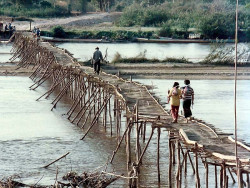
130,98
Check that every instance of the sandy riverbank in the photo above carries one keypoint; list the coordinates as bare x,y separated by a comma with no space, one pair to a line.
178,71
152,70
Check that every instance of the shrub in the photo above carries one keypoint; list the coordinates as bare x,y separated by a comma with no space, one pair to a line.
58,32
219,25
165,31
45,4
86,35
117,57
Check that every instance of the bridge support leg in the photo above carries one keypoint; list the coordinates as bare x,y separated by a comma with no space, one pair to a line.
197,167
170,163
158,154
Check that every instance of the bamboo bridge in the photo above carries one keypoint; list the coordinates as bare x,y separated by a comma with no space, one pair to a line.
109,100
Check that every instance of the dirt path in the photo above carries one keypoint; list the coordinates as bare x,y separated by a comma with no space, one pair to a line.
89,19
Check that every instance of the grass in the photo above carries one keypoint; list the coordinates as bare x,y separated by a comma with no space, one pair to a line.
142,59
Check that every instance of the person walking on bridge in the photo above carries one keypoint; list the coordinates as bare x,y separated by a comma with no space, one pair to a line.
188,99
97,57
174,96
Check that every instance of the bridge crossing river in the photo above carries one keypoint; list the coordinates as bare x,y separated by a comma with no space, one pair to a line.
109,100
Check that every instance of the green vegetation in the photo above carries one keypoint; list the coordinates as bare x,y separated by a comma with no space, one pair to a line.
141,58
32,8
59,32
177,19
220,54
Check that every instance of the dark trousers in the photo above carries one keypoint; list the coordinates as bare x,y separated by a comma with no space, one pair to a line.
97,66
187,108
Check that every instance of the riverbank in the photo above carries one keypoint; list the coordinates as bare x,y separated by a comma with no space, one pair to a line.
153,70
178,71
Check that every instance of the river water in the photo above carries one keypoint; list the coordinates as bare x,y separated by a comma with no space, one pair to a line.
32,136
192,51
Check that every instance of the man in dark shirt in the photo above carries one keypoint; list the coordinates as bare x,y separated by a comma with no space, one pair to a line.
97,57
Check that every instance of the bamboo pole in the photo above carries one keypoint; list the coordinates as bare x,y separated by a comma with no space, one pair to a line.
96,118
207,170
215,173
145,148
197,167
110,117
170,163
46,166
178,164
158,154
231,175
119,144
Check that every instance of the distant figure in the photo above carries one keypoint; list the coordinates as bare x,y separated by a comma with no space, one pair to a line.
34,30
38,32
174,96
6,28
188,99
10,27
97,57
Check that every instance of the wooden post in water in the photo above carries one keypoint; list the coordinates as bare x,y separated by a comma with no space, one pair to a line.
158,154
178,164
137,148
197,166
215,174
248,183
206,166
144,131
221,177
173,153
170,163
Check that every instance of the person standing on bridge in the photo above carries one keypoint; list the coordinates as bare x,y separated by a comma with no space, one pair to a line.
97,57
174,96
188,99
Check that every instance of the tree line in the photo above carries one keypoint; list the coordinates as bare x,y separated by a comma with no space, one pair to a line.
175,18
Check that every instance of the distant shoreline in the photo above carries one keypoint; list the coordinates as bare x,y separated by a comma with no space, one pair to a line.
139,40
